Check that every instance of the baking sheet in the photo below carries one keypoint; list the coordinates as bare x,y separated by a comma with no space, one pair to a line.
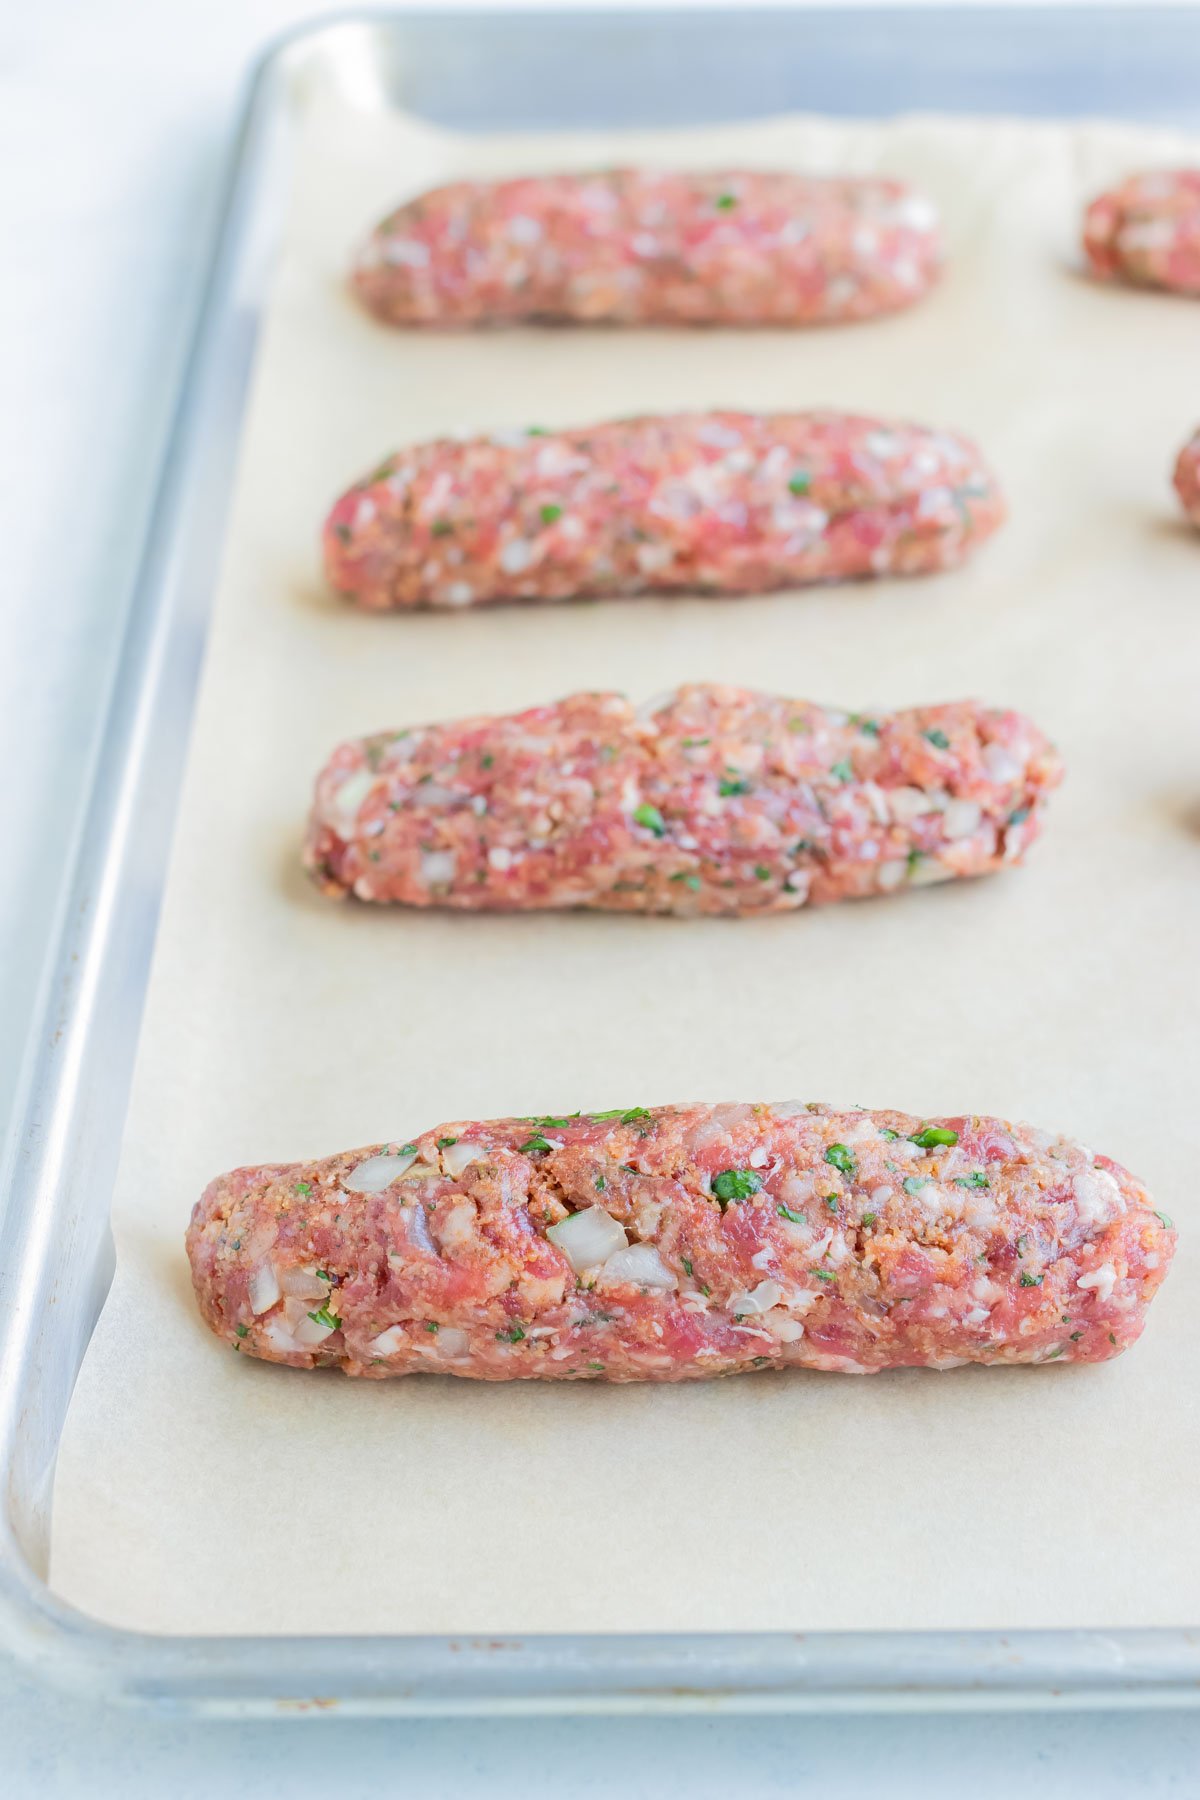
199,1492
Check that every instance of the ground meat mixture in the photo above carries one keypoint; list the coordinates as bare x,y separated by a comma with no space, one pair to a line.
722,503
1147,231
1187,478
709,800
635,247
669,1243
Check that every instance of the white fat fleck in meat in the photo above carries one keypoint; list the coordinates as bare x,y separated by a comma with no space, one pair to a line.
891,874
884,444
978,1315
799,881
1098,1198
459,593
1103,1280
788,1331
500,859
759,1157
984,1289
763,1259
932,502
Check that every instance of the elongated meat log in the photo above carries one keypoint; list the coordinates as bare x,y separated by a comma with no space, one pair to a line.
1187,478
1147,231
676,1242
641,247
710,800
719,503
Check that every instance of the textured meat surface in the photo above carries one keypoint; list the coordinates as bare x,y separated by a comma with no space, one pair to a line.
709,800
1187,478
1147,231
636,247
670,1243
721,502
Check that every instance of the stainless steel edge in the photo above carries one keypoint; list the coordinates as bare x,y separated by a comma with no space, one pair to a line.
55,1255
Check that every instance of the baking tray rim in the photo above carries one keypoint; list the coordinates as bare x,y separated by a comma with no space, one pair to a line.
51,1210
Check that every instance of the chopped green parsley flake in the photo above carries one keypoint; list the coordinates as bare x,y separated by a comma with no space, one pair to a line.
761,872
601,1184
831,1201
976,1179
868,727
726,202
241,1330
687,1264
513,1335
727,788
914,1183
551,513
441,528
1163,1219
486,761
445,1143
431,1325
839,1157
735,1184
869,1218
1028,1280
823,1274
323,1316
690,881
1019,817
785,1212
1075,1336
534,1146
885,1131
800,483
938,739
695,743
843,770
932,1137
650,818
303,1187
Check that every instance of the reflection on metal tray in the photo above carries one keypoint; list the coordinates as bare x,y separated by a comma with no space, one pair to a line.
535,70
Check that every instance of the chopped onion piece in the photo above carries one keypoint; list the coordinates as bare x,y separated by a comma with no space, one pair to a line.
588,1238
639,1263
377,1173
389,1342
457,1158
437,867
264,1289
304,1284
759,1299
962,818
451,1341
305,1330
350,796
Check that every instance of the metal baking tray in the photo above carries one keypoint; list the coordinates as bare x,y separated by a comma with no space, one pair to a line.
482,71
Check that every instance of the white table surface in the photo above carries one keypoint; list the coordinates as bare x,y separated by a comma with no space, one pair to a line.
114,116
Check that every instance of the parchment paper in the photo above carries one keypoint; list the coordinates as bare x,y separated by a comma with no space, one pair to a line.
198,1491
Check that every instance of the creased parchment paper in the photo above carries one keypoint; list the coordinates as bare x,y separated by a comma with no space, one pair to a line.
198,1491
